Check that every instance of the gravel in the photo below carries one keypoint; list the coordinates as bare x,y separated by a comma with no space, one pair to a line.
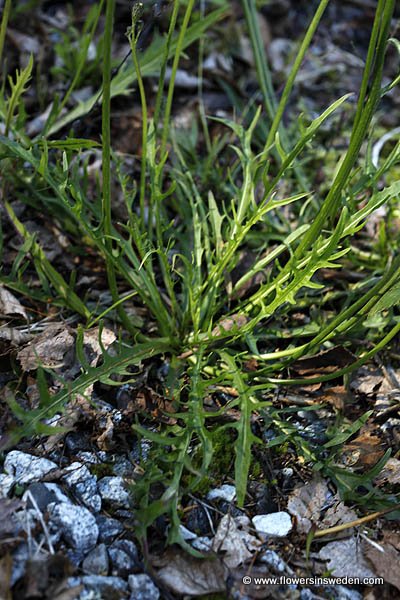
277,524
25,468
83,485
142,588
96,562
113,491
77,524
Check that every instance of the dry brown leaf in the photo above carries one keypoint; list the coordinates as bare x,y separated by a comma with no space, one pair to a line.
314,504
9,305
235,321
386,563
390,473
5,577
186,575
327,361
234,543
345,559
364,451
52,348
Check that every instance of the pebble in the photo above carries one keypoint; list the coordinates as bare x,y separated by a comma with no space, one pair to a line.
106,587
142,587
113,490
109,528
6,484
96,562
225,492
26,468
124,558
44,494
202,544
83,485
277,524
78,525
123,468
19,558
186,533
273,560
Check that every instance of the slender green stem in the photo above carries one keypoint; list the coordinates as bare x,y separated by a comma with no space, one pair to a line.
82,58
106,164
346,370
365,112
293,73
171,87
145,127
161,79
3,26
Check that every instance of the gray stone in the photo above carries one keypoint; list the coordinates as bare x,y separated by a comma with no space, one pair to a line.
186,533
44,494
58,493
202,544
109,588
124,558
26,468
108,528
84,485
96,562
123,467
78,525
19,558
142,588
6,484
273,560
277,524
113,491
225,492
93,458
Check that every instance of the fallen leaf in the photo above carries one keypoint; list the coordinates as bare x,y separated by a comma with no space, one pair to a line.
314,504
390,473
52,348
386,563
9,305
233,542
185,575
345,559
5,577
327,361
233,322
364,451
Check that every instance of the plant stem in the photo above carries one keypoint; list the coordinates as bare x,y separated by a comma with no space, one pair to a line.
3,27
175,63
106,164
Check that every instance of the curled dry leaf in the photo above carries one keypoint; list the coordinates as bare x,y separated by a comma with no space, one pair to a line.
364,451
313,504
185,575
233,322
55,348
386,563
233,543
345,559
390,473
9,305
52,348
327,361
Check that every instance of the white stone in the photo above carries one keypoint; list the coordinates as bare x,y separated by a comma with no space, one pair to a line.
113,490
6,483
225,492
77,523
277,524
26,468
